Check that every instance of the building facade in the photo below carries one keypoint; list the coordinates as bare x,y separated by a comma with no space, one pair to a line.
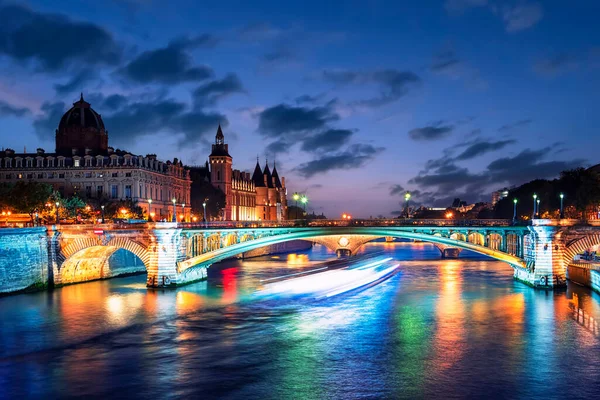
83,164
262,196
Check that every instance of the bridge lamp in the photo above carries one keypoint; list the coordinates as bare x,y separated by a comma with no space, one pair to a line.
515,201
304,200
562,211
102,207
538,207
57,204
150,210
174,219
407,198
204,215
534,206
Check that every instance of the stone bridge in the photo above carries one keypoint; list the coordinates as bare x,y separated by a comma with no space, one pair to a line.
176,254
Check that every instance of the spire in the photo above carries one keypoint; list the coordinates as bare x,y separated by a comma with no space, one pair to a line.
257,176
81,97
267,172
219,138
275,175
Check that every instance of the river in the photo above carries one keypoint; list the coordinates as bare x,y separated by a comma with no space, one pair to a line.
437,329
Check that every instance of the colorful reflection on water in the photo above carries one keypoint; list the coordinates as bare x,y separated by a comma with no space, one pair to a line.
439,328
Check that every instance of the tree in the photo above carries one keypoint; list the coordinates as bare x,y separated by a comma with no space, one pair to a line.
29,197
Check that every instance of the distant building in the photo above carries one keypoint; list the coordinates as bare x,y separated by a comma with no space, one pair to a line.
85,165
499,195
262,196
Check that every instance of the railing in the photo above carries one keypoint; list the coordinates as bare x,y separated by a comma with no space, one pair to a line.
345,223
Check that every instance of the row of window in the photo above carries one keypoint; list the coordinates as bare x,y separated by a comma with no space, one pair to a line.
59,175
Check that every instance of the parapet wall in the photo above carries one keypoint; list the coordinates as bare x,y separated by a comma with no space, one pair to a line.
23,259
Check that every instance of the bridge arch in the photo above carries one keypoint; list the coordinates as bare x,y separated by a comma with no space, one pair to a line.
310,233
88,258
579,246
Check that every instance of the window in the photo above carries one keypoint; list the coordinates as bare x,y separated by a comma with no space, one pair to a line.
61,162
218,175
99,191
128,191
40,162
114,191
88,174
19,176
128,174
8,176
88,162
99,175
99,161
61,176
40,176
88,191
76,162
29,176
50,175
115,174
29,162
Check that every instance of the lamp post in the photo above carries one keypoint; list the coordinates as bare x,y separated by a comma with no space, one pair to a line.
407,198
174,219
183,212
57,220
539,214
304,200
515,201
149,210
562,211
204,213
296,196
534,205
102,208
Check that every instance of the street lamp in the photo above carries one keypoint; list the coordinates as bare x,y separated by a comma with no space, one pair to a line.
304,200
204,214
174,219
150,210
534,205
515,201
183,212
407,198
57,220
102,207
562,211
539,214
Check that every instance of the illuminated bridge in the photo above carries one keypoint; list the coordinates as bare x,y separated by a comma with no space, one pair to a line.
176,254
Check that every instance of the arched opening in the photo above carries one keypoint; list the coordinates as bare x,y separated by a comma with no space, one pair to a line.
458,236
585,250
495,241
100,262
476,238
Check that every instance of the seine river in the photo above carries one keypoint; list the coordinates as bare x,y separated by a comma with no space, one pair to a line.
438,329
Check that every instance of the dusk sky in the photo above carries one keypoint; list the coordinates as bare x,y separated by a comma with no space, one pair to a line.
356,101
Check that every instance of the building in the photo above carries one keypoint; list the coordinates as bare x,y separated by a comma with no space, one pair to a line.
261,196
84,164
499,195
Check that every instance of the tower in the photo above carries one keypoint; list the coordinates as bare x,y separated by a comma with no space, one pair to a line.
221,171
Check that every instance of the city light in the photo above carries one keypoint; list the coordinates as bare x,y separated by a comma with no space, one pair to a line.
449,215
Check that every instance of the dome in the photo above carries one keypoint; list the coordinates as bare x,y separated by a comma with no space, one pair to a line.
81,115
81,131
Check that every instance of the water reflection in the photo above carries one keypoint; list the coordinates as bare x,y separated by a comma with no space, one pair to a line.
438,329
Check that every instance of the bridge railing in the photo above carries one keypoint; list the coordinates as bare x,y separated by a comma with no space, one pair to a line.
354,222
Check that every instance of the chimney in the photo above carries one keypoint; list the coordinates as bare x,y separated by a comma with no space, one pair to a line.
73,151
88,151
111,150
40,151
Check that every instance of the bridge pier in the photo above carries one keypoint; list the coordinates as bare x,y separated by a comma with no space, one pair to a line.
543,255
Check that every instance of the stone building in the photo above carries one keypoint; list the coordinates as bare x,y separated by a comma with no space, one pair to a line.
261,196
85,165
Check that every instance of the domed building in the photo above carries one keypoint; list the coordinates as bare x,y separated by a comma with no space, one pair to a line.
83,164
81,131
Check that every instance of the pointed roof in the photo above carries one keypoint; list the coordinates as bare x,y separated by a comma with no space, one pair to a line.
276,176
219,134
257,176
267,172
219,148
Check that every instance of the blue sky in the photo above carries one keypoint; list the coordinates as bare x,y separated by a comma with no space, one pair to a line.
357,101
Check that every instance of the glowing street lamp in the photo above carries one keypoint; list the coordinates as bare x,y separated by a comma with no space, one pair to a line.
296,197
204,208
182,211
57,220
407,198
539,214
304,200
515,201
449,215
102,208
174,219
150,213
534,206
562,211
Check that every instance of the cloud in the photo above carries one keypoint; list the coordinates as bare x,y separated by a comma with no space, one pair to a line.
480,148
514,125
432,132
329,140
555,65
522,16
54,41
209,93
396,189
392,83
75,84
46,124
279,55
308,99
283,119
7,109
353,157
170,64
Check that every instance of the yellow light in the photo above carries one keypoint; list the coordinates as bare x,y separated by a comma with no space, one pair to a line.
152,214
123,211
343,216
449,215
195,219
349,217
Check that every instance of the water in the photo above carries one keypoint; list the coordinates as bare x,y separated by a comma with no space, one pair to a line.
438,329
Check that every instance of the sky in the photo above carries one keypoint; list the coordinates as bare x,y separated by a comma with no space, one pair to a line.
357,102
